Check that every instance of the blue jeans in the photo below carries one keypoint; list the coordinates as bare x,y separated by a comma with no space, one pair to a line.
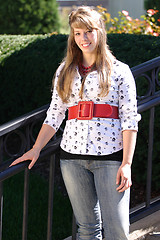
91,186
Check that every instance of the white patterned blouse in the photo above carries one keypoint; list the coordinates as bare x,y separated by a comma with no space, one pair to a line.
98,136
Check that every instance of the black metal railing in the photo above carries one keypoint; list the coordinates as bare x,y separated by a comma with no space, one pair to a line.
25,126
150,71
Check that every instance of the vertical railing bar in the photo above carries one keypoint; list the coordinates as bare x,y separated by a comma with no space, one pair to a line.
50,197
25,205
1,189
1,208
26,192
74,228
150,151
150,145
153,81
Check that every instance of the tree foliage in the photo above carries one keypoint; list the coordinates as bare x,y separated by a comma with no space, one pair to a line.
28,17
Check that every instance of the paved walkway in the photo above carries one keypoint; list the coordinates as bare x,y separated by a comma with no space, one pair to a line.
147,228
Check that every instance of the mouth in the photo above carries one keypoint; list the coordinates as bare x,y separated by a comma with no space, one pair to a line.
85,45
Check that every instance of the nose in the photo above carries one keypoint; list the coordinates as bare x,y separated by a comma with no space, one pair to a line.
84,36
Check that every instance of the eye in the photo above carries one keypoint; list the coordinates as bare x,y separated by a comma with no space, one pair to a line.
89,31
77,34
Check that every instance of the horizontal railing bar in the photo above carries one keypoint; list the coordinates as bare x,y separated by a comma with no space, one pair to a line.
146,66
51,147
149,98
5,164
23,120
11,171
147,105
12,125
144,211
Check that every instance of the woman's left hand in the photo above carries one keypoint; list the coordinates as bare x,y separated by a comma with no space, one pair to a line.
123,178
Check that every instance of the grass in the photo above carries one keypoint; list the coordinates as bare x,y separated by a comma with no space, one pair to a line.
38,210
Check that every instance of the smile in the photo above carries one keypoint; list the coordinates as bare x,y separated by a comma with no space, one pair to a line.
86,45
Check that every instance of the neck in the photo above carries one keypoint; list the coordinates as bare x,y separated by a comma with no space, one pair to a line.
88,60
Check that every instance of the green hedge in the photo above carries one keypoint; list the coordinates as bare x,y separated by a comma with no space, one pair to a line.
27,67
28,63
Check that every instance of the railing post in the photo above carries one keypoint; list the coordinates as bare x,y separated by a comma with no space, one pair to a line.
1,210
150,152
74,228
26,192
1,188
25,204
150,145
50,197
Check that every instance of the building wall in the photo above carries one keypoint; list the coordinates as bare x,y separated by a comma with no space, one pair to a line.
134,7
65,3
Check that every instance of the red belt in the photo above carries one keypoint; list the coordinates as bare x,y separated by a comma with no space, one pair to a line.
86,110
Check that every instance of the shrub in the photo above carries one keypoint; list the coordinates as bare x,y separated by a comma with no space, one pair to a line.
28,64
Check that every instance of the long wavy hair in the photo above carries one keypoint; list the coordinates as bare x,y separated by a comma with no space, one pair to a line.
85,17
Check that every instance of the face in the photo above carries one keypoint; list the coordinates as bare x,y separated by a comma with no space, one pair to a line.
86,40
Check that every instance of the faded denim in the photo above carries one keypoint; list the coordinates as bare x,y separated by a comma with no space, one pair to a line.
91,186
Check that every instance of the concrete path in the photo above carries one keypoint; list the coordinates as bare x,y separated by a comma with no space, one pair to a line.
147,228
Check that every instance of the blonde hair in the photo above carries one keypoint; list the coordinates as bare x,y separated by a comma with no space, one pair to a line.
85,16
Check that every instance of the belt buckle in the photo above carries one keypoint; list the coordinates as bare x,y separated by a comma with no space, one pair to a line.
89,113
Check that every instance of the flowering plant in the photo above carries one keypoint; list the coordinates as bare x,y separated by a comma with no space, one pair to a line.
125,24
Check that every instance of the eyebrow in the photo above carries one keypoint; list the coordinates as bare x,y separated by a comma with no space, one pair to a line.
77,30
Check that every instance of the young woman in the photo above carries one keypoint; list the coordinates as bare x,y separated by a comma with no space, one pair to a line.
100,134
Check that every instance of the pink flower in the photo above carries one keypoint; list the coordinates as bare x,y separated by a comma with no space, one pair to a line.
149,29
129,18
125,13
155,34
152,11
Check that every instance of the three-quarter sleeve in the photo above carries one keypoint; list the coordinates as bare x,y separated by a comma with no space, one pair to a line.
57,108
127,101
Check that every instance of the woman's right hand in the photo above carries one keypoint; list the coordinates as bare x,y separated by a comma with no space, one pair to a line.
32,155
45,134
